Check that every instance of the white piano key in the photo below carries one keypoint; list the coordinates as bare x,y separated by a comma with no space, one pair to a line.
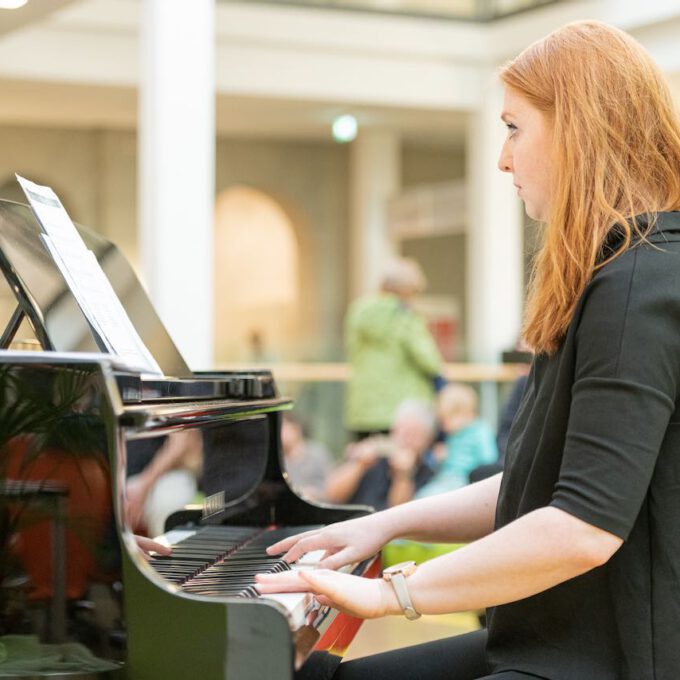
170,538
297,605
310,559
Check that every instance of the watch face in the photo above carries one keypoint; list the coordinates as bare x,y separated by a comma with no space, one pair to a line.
406,568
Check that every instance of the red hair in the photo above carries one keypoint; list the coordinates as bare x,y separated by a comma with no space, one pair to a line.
616,154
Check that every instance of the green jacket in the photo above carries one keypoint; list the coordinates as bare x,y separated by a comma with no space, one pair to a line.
392,357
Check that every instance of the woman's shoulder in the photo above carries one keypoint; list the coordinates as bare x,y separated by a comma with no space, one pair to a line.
653,261
639,286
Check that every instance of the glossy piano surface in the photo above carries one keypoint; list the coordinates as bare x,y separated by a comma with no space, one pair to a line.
80,438
71,569
60,560
246,506
54,313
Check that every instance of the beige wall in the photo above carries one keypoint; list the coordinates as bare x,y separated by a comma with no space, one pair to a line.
309,180
426,164
442,257
94,172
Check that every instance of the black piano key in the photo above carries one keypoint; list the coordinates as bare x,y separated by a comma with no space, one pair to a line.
222,561
250,562
236,587
227,583
249,591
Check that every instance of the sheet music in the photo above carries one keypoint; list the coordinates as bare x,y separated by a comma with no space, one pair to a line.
86,279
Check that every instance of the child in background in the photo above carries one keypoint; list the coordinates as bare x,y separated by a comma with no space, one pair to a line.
469,440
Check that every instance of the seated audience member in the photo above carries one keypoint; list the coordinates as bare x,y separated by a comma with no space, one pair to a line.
383,471
307,463
162,477
505,423
469,441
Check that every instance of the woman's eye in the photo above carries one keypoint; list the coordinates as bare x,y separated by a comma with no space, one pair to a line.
512,128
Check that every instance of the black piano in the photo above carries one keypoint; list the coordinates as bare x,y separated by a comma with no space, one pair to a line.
78,597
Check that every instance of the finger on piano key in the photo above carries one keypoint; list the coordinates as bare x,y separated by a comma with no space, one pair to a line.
148,545
313,542
283,582
285,544
311,559
340,560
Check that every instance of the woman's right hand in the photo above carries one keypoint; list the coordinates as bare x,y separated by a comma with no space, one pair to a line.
344,543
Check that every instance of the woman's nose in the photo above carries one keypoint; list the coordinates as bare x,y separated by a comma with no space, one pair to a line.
505,160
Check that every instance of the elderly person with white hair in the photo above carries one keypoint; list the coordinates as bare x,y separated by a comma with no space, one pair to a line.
391,352
383,471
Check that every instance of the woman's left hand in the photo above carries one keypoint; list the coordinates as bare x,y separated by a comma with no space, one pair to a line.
354,595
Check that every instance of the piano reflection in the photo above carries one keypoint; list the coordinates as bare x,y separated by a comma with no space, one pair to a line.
77,595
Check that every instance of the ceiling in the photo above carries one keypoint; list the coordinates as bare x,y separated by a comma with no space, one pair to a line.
37,10
64,102
69,105
457,10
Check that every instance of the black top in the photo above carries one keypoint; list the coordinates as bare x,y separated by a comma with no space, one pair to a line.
508,415
598,436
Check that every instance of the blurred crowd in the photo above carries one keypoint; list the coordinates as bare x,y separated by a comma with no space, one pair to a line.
412,434
430,448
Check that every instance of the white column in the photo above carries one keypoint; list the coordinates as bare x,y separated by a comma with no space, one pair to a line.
176,150
494,237
375,176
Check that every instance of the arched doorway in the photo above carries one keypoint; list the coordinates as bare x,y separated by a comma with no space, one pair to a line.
256,277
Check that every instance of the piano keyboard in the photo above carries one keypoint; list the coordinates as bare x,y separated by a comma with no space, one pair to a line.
221,561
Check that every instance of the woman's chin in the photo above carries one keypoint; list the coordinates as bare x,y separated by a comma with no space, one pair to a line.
534,213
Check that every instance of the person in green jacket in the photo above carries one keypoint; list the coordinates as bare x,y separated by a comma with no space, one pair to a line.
391,353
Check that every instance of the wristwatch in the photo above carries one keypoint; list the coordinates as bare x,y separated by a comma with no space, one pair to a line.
396,575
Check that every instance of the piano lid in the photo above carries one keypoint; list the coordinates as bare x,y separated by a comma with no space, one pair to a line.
58,321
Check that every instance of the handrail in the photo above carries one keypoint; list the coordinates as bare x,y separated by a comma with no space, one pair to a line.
339,372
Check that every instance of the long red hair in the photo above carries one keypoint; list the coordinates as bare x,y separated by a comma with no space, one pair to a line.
616,155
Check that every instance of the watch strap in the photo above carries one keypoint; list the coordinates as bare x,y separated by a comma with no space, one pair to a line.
398,581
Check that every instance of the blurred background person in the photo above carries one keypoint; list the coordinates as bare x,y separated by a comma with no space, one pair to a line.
469,441
508,412
382,471
162,477
307,463
391,353
522,357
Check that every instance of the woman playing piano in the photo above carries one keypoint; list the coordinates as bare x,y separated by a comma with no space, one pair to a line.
575,547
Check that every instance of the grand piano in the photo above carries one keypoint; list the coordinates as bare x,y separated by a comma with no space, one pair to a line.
78,598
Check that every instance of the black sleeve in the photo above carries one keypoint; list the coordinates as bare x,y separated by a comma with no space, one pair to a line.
627,365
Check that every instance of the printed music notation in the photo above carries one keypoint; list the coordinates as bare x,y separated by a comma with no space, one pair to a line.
86,279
